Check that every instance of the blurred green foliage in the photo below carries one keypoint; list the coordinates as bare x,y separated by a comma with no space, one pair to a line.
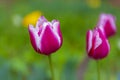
18,60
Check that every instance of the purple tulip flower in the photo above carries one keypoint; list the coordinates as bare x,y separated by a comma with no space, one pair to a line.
97,44
108,22
46,37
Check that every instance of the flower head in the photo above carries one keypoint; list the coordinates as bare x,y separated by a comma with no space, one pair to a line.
108,22
97,44
46,37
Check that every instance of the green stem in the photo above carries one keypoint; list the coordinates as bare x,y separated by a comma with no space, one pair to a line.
51,67
98,70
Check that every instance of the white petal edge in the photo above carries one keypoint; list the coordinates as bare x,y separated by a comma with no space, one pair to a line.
98,40
40,21
102,19
90,36
56,25
35,34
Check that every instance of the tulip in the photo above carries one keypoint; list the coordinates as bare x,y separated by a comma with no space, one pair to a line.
97,44
108,22
46,37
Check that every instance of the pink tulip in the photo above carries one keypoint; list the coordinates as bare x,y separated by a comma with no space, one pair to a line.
46,37
108,22
97,44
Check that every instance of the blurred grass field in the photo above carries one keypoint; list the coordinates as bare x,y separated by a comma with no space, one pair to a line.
18,60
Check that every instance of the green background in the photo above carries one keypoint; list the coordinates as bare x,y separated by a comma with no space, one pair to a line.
19,61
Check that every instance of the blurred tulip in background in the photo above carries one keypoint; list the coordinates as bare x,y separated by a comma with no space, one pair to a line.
109,24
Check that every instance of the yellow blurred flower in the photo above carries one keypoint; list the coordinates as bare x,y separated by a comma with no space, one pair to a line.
94,3
31,18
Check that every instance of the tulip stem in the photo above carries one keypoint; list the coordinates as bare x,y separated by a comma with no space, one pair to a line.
51,67
98,70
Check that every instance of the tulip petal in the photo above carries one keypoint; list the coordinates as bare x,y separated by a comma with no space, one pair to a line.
48,39
112,21
56,29
40,21
34,37
89,40
56,26
110,27
98,40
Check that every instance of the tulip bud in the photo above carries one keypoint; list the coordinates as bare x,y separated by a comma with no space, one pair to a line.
97,44
108,22
46,37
